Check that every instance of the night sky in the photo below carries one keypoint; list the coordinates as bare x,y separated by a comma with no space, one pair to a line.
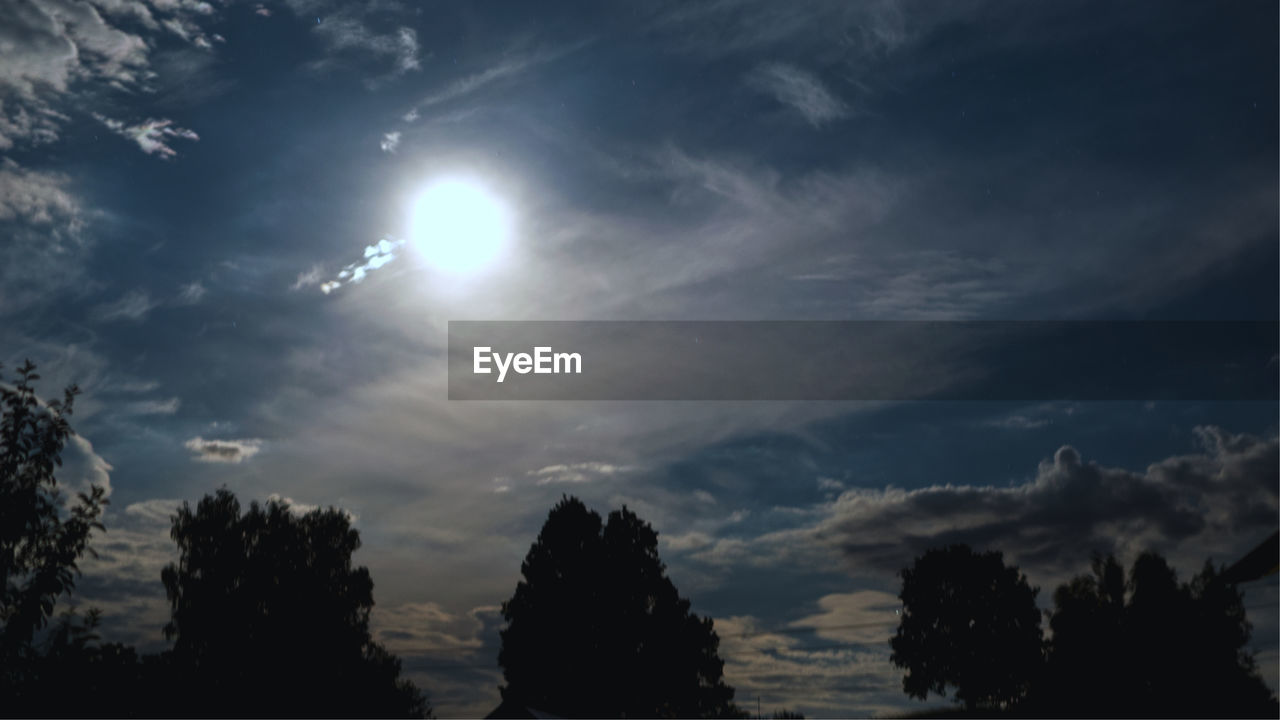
207,220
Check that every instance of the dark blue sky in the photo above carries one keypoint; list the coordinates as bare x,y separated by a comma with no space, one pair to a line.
180,180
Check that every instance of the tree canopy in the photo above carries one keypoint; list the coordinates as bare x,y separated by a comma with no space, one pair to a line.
43,534
270,617
969,623
596,628
1152,646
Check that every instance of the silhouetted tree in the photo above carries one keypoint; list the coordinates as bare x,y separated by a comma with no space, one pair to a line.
270,618
787,715
597,629
75,675
1152,646
42,535
968,622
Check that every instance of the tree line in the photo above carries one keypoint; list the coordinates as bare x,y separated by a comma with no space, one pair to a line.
269,616
1135,644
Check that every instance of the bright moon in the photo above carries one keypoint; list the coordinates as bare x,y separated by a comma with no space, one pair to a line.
459,227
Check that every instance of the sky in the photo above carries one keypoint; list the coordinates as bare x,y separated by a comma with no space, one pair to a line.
210,220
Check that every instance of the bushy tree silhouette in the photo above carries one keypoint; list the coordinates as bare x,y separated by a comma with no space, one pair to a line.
1150,646
597,629
968,622
270,618
42,534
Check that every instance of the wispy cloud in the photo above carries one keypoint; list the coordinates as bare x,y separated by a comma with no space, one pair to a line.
299,508
312,276
390,141
223,451
514,64
133,305
191,293
800,90
152,407
154,511
153,136
347,31
1019,422
577,472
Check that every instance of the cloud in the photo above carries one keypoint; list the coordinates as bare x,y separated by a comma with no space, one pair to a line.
826,483
223,451
390,141
153,136
864,616
800,90
1190,505
309,278
123,580
156,511
817,678
375,256
860,31
191,294
53,45
34,196
298,508
576,472
133,305
449,654
426,627
43,229
347,31
1019,422
83,467
515,64
828,661
152,407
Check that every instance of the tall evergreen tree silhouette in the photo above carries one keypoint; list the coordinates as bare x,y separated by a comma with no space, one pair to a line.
596,628
270,617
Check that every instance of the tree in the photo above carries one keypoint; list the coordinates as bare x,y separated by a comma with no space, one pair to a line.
269,617
597,629
1152,646
968,622
42,535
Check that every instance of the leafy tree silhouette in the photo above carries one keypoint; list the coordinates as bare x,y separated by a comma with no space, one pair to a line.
42,536
968,622
1151,646
270,618
597,629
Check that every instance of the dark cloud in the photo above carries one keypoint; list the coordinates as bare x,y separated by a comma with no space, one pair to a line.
1188,505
